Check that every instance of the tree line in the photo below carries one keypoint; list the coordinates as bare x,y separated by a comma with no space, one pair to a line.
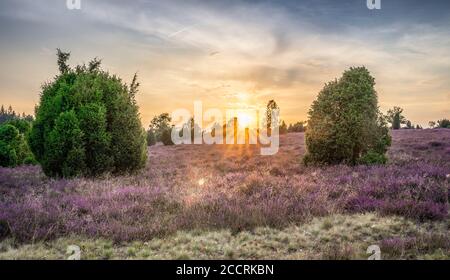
160,126
397,119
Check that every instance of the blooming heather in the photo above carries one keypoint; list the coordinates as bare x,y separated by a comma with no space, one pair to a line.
239,190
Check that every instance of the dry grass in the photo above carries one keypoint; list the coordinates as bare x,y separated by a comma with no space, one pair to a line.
334,237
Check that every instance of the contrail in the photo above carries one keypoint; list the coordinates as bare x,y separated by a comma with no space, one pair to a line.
181,31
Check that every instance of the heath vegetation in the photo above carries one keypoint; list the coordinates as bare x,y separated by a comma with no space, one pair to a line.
103,184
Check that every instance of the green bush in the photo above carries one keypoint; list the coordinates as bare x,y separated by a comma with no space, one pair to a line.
8,156
166,137
87,124
24,126
345,125
9,134
65,151
151,137
14,149
373,158
30,160
444,123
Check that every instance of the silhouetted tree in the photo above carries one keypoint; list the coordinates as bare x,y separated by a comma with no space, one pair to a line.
297,127
161,125
10,114
409,125
283,128
432,124
396,118
444,123
271,106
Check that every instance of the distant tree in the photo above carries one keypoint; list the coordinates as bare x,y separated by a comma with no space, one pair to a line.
10,114
166,137
216,129
345,125
395,117
297,127
161,121
231,127
87,123
160,125
409,125
418,127
444,123
283,128
192,126
63,57
271,106
432,124
151,137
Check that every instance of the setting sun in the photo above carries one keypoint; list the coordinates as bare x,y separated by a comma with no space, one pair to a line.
245,120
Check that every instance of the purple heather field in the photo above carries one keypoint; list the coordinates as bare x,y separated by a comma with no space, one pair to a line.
228,187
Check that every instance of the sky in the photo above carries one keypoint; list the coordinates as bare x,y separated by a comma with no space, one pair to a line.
234,54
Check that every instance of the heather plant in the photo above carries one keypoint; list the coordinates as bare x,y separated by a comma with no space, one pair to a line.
215,187
87,123
345,125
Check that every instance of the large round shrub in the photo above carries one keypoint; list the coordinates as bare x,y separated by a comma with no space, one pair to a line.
345,125
87,123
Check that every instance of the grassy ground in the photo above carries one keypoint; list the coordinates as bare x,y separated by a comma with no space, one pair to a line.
333,237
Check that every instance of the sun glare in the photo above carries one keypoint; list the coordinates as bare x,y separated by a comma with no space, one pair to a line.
201,182
244,120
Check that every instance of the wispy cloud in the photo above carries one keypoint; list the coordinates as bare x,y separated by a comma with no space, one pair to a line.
283,50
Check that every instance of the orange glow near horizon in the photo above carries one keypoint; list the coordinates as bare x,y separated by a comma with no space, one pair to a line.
245,120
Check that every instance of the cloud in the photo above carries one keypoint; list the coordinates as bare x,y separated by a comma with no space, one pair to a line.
186,50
